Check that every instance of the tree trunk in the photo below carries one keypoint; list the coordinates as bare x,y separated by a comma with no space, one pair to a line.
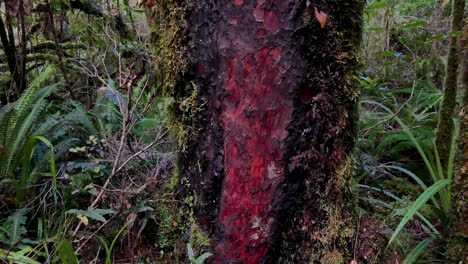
268,128
10,53
457,248
444,131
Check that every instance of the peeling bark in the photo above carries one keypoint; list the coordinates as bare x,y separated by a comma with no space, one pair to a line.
269,125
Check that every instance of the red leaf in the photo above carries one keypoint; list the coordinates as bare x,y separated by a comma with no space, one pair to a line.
321,17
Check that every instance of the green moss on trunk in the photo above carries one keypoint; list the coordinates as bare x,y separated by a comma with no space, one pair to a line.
312,210
457,244
444,132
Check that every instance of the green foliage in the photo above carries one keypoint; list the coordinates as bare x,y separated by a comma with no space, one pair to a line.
422,199
401,176
14,226
27,178
66,253
93,213
418,251
19,120
441,183
108,248
193,259
26,127
18,257
55,152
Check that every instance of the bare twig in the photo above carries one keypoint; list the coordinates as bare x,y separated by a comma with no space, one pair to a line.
117,168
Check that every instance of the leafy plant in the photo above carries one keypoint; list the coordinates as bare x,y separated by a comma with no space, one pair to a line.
93,213
24,125
439,193
66,253
194,260
14,227
418,250
108,248
18,257
18,121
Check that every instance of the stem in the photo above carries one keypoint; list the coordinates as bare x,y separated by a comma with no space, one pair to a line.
60,54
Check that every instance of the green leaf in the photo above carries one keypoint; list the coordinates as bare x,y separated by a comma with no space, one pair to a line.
414,177
66,253
18,257
96,214
190,252
413,209
389,54
26,177
377,5
109,251
203,257
418,251
414,25
15,225
376,29
389,194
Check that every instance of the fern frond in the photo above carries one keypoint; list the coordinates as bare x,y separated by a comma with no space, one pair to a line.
391,140
6,131
42,77
15,225
23,103
79,115
21,133
27,122
63,146
47,125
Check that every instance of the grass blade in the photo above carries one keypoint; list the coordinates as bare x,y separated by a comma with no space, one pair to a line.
418,250
411,136
414,177
413,209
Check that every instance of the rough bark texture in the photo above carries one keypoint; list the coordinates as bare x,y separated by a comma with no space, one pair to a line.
269,123
444,132
457,249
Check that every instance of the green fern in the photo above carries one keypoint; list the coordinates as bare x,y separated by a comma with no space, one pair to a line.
18,119
27,119
15,226
79,115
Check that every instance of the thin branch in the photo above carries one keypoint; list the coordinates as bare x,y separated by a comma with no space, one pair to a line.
116,170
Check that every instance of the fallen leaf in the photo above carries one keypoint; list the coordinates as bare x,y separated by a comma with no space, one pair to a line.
321,17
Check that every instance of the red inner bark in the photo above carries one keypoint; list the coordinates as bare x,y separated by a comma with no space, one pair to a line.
254,118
